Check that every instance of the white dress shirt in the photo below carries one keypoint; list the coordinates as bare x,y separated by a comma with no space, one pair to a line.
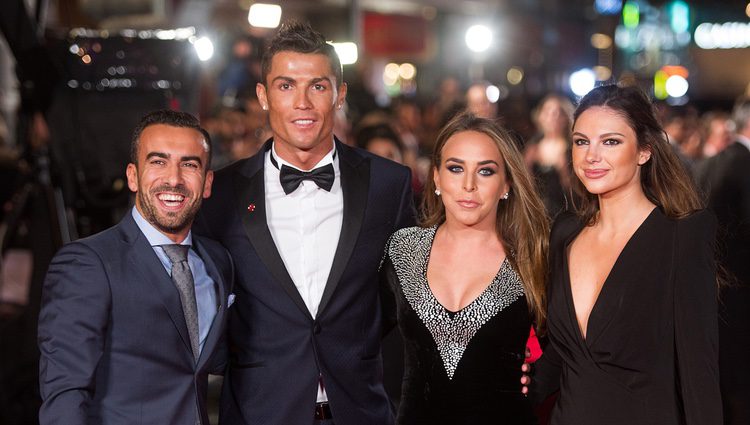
305,226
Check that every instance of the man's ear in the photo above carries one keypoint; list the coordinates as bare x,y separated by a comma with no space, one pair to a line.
260,91
207,184
132,174
341,97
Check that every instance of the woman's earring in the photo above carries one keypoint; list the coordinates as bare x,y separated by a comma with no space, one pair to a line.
437,192
506,195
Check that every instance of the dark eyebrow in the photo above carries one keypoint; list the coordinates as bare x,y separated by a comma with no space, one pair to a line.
158,155
167,156
614,133
488,161
319,79
191,158
313,81
284,79
485,162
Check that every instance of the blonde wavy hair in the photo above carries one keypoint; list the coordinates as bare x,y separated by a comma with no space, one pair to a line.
522,223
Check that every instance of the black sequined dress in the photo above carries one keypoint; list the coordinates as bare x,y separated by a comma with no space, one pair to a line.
461,367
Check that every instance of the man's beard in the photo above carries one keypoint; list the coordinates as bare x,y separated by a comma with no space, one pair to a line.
168,222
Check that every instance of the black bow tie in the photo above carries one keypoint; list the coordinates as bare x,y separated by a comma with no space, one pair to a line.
291,177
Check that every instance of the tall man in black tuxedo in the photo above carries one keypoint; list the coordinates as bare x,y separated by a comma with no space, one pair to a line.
726,179
306,221
128,329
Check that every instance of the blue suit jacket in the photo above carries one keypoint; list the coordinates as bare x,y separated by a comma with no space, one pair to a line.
277,349
112,335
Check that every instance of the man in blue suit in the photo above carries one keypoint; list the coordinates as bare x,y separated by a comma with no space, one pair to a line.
131,317
306,221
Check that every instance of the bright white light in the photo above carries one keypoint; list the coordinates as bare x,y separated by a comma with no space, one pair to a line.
390,74
166,34
582,81
677,86
493,93
729,35
347,52
478,38
407,71
264,15
204,48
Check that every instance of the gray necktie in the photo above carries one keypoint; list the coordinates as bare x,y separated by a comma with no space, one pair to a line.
183,280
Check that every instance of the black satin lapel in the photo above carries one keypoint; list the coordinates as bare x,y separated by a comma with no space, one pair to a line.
355,184
147,268
214,332
252,197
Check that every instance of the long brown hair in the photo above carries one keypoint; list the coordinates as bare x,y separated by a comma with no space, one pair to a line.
522,222
664,179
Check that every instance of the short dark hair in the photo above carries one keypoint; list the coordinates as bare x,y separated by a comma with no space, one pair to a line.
378,131
170,118
301,38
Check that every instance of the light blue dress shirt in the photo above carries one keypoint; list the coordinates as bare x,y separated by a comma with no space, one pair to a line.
205,294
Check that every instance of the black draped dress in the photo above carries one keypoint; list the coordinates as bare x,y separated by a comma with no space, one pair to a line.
650,352
461,367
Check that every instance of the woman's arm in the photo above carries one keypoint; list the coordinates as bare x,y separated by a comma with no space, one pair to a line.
696,319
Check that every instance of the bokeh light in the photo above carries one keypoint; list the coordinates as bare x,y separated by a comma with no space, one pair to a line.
478,38
407,71
493,93
347,51
582,81
515,75
677,86
204,48
264,15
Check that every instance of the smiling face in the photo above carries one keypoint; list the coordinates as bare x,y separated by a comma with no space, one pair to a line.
606,155
301,96
471,179
170,178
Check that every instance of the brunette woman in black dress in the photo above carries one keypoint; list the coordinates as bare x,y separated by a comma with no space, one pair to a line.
467,285
632,308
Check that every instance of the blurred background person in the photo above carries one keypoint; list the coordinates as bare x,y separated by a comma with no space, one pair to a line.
725,178
717,130
548,153
381,140
478,103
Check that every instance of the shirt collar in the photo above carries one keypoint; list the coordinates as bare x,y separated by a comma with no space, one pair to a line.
153,235
327,159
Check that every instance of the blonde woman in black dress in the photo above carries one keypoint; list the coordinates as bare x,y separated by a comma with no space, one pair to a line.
632,308
466,287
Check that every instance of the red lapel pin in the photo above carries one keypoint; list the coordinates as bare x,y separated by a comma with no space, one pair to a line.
251,207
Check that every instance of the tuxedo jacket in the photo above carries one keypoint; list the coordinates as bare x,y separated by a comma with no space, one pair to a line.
114,343
278,349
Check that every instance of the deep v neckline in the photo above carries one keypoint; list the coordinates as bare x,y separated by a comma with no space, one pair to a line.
606,286
474,300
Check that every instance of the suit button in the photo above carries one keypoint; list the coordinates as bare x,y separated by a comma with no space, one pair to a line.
316,329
